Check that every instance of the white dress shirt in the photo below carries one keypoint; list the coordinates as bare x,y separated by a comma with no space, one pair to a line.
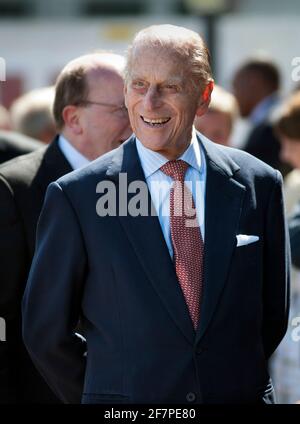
75,158
159,184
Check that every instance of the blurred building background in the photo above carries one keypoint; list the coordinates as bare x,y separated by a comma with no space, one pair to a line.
37,37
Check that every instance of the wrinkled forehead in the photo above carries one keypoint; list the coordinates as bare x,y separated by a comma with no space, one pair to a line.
155,52
158,60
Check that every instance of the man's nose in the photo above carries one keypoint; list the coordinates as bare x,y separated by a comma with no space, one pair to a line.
152,99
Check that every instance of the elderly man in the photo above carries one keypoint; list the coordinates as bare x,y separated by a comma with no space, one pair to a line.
91,118
177,306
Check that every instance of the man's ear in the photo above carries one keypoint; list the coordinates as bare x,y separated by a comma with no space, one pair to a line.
71,117
205,99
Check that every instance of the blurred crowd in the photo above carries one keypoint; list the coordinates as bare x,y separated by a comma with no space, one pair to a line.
273,136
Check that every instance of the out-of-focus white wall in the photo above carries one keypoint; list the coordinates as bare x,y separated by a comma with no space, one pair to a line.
39,49
241,37
267,6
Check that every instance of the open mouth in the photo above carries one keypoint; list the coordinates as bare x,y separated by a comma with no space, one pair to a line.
155,123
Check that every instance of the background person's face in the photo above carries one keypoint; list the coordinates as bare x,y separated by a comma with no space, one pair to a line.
104,127
161,101
246,88
215,125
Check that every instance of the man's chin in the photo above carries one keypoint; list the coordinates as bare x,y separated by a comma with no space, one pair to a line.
152,144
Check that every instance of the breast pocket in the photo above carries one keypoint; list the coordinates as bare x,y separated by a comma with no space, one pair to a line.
248,249
247,260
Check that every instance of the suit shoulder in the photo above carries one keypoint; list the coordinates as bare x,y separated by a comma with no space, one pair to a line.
21,141
249,165
13,144
94,170
22,169
244,168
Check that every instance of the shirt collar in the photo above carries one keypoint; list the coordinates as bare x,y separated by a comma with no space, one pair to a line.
73,156
152,161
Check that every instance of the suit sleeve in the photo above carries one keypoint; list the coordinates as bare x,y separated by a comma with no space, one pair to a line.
52,299
276,271
14,269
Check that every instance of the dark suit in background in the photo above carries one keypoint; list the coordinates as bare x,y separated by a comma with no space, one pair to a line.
23,183
13,144
263,143
256,84
294,229
115,272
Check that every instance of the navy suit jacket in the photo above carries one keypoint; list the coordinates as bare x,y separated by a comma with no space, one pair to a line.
23,184
115,273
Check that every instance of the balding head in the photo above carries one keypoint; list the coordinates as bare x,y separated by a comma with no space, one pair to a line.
96,62
72,85
89,104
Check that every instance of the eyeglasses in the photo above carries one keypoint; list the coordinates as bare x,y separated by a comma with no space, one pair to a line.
118,110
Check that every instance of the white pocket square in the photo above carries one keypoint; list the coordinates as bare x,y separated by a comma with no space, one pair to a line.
243,240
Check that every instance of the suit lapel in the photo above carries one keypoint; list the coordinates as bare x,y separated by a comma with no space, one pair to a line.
54,165
223,206
147,240
51,166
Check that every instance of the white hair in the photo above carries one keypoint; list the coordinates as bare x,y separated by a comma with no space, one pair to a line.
177,40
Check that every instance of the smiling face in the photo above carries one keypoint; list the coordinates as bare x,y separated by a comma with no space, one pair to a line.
162,100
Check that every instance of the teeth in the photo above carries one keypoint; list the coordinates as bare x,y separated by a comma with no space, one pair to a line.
156,121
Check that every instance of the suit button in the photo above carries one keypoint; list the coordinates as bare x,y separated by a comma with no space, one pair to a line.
190,397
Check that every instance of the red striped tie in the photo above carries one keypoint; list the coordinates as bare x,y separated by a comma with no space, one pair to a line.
186,238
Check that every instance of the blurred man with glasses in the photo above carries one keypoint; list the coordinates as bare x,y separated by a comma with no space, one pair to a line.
91,120
89,107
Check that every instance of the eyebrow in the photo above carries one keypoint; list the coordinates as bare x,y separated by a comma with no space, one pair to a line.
171,80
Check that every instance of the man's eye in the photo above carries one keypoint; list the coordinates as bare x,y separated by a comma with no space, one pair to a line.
171,87
138,84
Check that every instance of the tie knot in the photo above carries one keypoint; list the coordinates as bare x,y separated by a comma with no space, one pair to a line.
175,169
